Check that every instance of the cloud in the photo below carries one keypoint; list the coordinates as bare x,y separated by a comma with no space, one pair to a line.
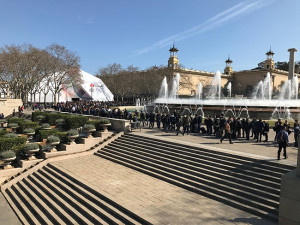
218,20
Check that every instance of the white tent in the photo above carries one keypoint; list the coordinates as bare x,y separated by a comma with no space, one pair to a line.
92,88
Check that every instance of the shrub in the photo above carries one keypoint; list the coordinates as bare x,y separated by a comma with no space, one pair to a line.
3,132
31,146
89,126
53,116
15,120
60,122
44,134
27,124
73,122
40,117
7,154
12,143
45,126
12,125
52,139
28,130
72,132
10,135
35,114
104,121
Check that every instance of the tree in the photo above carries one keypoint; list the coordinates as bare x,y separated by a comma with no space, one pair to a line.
282,66
65,68
110,69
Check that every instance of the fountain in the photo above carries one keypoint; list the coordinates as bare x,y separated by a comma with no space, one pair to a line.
163,92
260,104
175,86
229,89
200,89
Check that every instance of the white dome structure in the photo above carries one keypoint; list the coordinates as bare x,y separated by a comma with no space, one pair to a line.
92,88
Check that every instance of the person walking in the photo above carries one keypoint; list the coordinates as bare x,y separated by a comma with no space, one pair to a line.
227,132
283,141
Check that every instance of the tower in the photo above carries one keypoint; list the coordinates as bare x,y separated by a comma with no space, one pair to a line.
228,69
269,63
173,61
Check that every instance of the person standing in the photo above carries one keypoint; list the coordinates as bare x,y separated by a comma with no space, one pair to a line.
266,130
199,121
283,141
296,132
186,120
227,132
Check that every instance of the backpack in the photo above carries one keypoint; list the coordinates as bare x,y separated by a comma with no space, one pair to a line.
280,138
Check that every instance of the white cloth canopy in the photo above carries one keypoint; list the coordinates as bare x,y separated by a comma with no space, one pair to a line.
92,88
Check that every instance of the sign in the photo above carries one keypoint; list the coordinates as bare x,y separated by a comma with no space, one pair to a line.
92,85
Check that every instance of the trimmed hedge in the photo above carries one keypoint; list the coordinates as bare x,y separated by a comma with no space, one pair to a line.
53,116
24,125
15,120
44,134
3,132
35,114
98,123
74,122
14,144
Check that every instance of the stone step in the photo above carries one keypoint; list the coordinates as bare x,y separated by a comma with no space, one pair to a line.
204,190
210,173
110,210
87,209
246,161
19,207
206,166
49,190
198,179
238,169
59,212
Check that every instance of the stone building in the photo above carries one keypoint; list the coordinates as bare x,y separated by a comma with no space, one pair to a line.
243,82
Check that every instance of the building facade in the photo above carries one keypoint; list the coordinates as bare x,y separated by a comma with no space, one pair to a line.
242,82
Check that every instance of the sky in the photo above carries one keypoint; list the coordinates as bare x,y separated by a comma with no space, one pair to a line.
141,32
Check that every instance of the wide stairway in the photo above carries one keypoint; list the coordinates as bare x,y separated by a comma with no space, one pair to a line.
245,183
50,196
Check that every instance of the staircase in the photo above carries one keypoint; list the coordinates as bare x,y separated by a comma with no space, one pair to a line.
50,196
241,182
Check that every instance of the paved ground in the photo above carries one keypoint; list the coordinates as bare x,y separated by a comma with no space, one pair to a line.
152,199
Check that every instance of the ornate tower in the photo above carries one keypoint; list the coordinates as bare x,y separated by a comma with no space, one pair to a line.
173,61
228,69
269,63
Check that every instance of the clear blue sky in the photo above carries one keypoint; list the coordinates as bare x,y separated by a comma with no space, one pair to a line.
140,32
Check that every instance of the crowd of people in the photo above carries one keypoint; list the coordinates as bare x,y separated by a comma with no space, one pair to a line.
221,127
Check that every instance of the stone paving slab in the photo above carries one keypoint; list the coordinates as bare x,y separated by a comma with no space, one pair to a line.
152,199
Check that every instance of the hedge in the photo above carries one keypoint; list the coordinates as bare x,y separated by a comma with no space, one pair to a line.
44,134
15,120
14,144
23,125
53,116
35,114
73,122
98,123
3,132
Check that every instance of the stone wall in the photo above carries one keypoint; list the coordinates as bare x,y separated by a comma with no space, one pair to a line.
7,105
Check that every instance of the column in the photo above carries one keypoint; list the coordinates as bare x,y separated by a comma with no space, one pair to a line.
292,63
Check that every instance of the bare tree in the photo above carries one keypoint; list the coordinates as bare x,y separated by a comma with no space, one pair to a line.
65,68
